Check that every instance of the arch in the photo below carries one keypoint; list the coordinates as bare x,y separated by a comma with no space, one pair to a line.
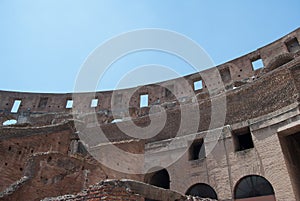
202,190
278,61
159,178
254,186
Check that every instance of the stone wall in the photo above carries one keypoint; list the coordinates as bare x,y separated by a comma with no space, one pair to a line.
41,156
46,108
125,190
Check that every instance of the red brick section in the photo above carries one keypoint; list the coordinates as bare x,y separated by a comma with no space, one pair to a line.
129,190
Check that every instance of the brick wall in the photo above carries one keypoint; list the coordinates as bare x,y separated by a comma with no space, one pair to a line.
128,190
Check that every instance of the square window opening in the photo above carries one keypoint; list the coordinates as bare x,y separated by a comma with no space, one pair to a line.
16,106
94,102
243,139
293,45
197,150
144,100
69,104
198,85
257,64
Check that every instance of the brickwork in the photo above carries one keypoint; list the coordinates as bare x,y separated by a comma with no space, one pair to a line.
43,156
125,190
45,108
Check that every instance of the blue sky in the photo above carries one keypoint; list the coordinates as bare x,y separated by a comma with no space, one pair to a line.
43,43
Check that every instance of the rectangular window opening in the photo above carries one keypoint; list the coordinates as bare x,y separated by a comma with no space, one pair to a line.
290,145
69,104
43,102
257,64
293,45
94,102
198,85
168,90
243,139
225,75
197,150
144,100
16,106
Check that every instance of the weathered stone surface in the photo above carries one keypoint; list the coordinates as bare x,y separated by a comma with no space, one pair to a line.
43,156
125,190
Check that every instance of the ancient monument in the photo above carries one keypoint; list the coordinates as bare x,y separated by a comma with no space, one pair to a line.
253,155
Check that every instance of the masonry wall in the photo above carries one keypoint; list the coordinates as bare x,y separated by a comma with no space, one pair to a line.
34,106
125,190
40,155
48,164
224,166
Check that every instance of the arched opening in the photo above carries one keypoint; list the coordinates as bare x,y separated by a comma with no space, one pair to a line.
254,188
160,179
202,190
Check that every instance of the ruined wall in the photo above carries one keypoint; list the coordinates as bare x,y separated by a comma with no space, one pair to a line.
49,162
34,106
18,144
41,156
126,190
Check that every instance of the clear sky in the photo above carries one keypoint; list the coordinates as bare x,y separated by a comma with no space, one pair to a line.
43,43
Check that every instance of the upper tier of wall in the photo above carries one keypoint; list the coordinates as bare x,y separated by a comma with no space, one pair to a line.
232,74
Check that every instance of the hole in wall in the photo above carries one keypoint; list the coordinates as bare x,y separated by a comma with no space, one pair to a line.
198,85
49,159
144,100
243,139
168,90
225,74
293,45
94,102
43,102
202,190
257,64
16,106
254,186
159,178
9,122
69,104
196,150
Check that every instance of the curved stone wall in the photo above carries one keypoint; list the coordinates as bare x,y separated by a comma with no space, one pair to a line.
43,149
34,106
